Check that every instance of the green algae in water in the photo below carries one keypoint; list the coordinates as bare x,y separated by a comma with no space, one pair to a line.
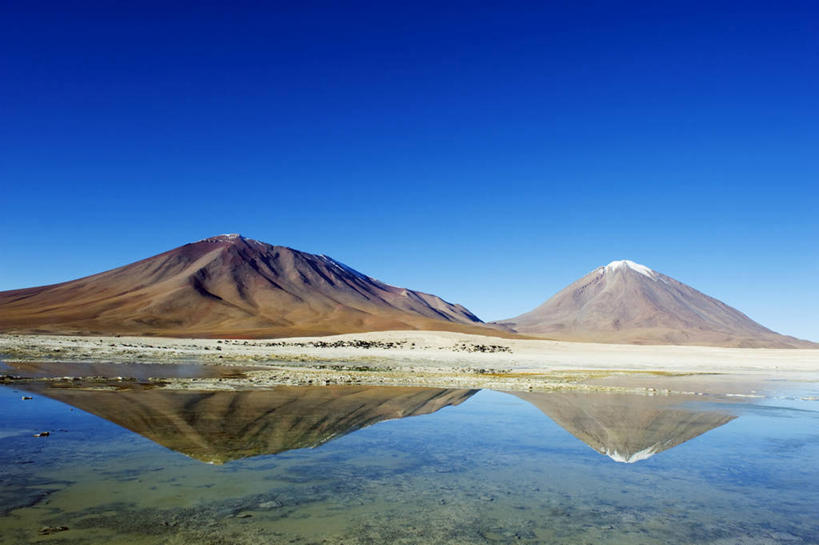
466,467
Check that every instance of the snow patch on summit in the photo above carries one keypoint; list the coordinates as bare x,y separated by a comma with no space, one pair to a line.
341,266
627,264
220,238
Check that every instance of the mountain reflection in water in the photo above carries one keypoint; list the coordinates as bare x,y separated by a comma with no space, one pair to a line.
217,427
626,427
493,469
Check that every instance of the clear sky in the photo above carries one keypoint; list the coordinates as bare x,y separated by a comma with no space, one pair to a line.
487,152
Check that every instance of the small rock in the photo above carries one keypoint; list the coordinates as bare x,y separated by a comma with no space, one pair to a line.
48,530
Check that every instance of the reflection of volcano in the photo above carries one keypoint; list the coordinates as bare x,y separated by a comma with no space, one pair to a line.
218,427
626,428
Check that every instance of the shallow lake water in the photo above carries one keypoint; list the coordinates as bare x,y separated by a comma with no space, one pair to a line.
369,465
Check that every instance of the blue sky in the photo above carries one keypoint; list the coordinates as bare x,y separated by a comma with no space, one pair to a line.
488,154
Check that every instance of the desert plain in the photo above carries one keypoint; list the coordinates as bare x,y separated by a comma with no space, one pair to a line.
419,358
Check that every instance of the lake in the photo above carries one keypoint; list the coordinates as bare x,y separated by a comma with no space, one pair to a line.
131,463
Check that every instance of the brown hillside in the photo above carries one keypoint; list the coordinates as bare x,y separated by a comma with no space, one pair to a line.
229,286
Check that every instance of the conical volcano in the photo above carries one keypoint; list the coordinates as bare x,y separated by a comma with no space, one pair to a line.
229,286
625,302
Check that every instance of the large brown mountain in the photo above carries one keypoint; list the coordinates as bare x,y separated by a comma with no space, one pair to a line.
229,286
625,302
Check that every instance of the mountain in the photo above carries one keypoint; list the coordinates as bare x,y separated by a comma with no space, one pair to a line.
217,427
625,427
229,285
625,302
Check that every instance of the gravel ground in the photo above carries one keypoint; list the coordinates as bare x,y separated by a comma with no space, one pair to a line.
424,358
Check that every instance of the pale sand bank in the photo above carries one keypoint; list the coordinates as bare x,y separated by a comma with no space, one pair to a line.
426,358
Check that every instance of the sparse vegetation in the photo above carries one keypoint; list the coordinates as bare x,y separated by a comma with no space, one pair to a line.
355,343
485,348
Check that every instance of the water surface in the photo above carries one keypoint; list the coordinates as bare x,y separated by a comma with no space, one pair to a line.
367,465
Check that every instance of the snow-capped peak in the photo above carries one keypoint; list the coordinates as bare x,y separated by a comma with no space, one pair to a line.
218,238
627,264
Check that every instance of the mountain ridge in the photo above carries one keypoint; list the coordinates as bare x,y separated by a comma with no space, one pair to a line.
229,285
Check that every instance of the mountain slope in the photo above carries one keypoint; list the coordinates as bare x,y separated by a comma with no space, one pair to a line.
625,302
232,286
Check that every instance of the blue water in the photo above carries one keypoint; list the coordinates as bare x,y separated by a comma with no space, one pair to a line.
490,468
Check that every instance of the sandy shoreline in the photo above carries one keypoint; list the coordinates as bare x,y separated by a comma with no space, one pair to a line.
441,359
